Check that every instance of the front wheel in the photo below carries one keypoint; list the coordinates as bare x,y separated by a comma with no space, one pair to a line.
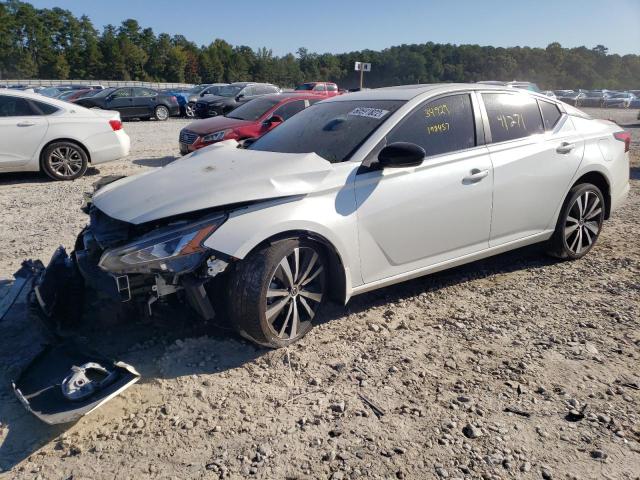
189,110
579,223
276,292
161,113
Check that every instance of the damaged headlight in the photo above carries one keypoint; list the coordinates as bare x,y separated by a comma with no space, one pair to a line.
172,250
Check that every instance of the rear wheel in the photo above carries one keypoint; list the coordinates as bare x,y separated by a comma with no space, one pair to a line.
579,223
161,113
64,161
278,291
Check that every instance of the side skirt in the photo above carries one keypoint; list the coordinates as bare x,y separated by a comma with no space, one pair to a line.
530,240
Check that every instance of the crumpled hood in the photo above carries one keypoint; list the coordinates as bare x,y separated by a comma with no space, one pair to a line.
213,176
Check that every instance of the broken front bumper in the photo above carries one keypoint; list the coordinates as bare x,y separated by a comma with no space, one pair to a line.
57,381
47,386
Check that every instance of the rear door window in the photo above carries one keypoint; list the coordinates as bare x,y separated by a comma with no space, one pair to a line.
439,126
143,92
550,114
512,116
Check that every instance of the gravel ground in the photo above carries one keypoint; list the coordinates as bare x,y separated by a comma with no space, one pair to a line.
512,367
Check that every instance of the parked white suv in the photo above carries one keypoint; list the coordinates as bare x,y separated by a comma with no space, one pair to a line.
59,138
355,193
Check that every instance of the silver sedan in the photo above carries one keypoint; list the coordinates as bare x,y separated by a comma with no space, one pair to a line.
355,193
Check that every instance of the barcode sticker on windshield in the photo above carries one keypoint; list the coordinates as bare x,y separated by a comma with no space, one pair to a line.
376,113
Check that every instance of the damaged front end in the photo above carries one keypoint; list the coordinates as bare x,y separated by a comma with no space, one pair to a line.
143,263
114,263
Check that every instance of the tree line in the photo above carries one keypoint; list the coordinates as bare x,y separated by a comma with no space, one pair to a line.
55,44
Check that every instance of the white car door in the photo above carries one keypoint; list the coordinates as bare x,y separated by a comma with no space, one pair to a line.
414,217
533,162
22,129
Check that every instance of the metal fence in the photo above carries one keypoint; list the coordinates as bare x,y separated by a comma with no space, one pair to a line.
105,83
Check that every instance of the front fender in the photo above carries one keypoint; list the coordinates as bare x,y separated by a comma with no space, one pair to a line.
247,228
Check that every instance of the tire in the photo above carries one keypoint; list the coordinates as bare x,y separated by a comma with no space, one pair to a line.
161,113
189,110
579,223
64,161
268,308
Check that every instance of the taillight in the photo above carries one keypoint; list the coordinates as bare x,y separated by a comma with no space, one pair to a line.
115,125
624,137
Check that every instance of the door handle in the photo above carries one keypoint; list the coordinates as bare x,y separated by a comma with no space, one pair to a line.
475,175
565,147
26,124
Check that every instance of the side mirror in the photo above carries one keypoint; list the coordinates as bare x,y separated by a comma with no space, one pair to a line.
247,142
273,120
109,98
401,154
239,97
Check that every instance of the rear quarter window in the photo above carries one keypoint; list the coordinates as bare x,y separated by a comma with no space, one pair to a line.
512,116
45,108
550,114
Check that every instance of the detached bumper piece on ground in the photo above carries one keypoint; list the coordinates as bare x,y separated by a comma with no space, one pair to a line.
63,383
58,381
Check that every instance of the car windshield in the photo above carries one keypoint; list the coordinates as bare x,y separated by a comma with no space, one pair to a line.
197,89
91,93
67,94
254,109
229,91
305,86
49,92
333,130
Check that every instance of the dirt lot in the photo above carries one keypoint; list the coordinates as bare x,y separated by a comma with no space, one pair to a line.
513,367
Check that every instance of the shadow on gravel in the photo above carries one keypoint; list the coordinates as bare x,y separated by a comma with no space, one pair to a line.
531,257
17,178
155,162
174,343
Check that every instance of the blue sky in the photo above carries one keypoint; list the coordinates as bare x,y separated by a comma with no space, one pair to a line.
329,26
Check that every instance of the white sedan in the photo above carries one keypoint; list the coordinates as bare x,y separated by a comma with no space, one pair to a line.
59,138
355,193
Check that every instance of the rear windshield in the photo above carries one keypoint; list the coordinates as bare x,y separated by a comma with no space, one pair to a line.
254,109
333,130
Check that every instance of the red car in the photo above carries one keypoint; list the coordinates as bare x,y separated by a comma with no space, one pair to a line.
328,89
253,119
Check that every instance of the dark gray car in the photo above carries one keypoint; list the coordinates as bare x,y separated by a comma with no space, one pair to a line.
231,96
